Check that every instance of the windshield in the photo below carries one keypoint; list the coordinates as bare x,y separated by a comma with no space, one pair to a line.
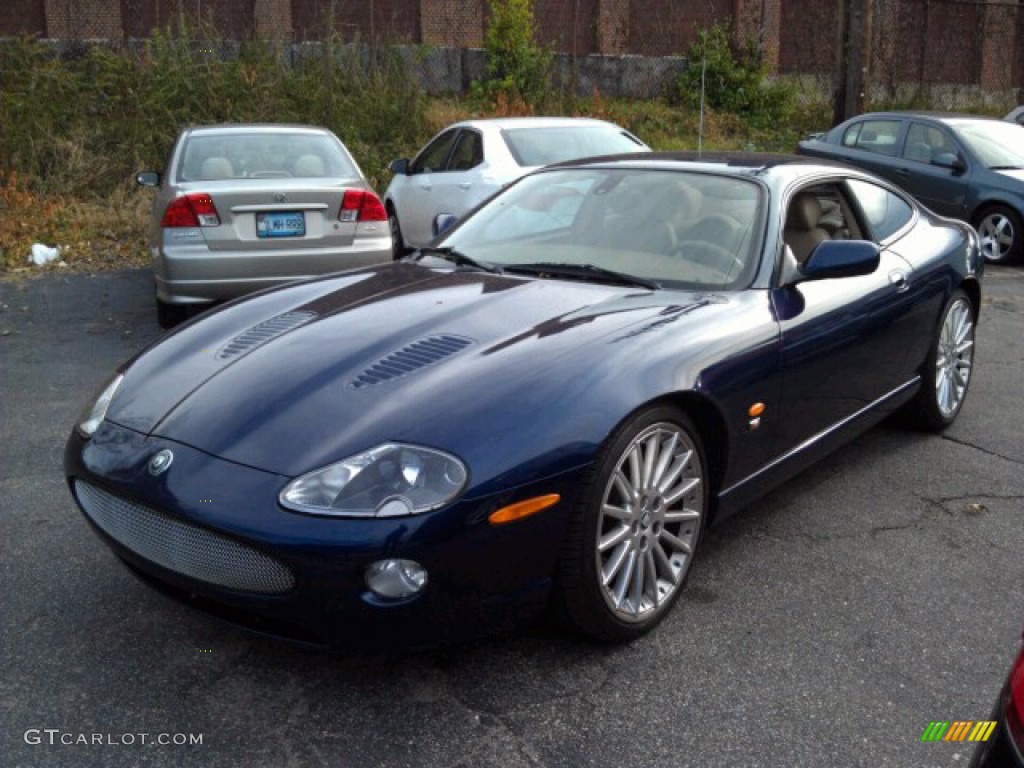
679,229
276,155
556,144
995,144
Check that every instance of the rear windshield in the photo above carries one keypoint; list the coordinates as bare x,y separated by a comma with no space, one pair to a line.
263,156
547,145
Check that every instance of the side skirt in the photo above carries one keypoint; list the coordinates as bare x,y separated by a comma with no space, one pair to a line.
737,496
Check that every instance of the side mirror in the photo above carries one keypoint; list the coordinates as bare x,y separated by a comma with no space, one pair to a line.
399,166
841,258
950,160
147,179
443,222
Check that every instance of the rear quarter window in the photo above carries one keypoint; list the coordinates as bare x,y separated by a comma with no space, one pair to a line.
884,213
876,136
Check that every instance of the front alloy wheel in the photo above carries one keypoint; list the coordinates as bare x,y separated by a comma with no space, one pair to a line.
631,544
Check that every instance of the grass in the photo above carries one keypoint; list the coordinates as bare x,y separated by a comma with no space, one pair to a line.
75,129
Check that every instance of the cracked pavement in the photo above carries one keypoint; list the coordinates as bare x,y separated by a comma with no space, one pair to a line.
825,625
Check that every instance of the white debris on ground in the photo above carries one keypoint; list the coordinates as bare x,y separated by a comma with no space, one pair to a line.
43,254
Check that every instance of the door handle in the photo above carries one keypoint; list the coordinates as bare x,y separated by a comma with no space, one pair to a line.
465,185
898,278
903,171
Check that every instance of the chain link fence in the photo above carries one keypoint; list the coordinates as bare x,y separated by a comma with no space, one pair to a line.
919,50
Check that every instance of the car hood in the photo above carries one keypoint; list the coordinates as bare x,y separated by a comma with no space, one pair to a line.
295,378
1017,174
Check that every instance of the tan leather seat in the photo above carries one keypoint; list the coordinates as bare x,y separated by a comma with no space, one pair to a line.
803,232
307,166
214,168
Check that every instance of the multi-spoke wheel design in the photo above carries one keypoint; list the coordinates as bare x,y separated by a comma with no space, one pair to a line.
999,230
947,371
632,541
649,518
954,357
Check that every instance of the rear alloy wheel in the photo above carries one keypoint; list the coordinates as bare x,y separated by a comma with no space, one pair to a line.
947,371
1001,234
630,546
397,245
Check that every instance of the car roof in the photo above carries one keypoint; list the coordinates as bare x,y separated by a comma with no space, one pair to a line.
230,128
510,123
735,163
949,118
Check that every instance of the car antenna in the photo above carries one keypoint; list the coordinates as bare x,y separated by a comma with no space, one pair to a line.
700,127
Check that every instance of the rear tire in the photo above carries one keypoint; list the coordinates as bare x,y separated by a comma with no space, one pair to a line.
170,315
946,375
1001,233
631,540
398,249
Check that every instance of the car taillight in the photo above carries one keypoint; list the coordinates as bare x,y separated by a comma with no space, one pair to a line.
1015,702
195,210
360,205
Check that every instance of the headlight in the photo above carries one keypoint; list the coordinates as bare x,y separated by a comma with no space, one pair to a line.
91,418
387,481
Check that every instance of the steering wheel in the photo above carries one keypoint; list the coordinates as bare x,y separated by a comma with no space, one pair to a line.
711,255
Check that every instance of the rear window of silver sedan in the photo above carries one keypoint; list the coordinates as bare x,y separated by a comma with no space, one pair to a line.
263,155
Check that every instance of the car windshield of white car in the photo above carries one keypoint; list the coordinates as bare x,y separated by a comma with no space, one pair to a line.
219,156
677,229
556,144
997,145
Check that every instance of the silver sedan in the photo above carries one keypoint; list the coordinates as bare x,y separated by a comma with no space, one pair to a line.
244,207
469,161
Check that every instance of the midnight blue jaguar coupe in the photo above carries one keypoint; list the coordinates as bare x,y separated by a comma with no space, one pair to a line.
545,408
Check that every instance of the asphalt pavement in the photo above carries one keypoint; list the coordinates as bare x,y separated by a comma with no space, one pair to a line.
827,625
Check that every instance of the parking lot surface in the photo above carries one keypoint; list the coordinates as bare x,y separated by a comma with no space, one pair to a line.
828,624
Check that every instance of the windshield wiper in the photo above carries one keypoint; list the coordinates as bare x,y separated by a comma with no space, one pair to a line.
1005,167
459,258
583,271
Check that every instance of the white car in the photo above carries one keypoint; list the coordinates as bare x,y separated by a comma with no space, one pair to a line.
469,161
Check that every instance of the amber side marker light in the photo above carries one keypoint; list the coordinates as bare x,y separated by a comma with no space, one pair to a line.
522,509
755,410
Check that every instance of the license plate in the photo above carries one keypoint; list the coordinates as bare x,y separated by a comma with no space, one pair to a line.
286,224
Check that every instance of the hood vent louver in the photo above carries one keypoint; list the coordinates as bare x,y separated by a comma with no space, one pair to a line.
263,332
411,357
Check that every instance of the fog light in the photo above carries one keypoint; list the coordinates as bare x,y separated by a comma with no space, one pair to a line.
394,579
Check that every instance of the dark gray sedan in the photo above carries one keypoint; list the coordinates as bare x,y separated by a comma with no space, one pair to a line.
962,166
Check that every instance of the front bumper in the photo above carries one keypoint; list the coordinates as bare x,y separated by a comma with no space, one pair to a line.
199,521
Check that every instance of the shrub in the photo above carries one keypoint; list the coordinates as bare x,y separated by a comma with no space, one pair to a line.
734,81
518,70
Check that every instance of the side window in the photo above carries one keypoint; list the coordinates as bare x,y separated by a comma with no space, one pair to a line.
434,156
878,136
816,214
925,142
884,213
468,152
850,137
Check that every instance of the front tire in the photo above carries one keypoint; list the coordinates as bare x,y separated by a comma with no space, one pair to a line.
632,539
947,370
1001,234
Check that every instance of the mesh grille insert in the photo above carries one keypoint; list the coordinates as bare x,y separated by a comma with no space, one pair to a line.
263,332
183,548
411,358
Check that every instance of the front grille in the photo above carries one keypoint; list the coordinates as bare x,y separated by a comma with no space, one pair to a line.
411,358
183,548
263,332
